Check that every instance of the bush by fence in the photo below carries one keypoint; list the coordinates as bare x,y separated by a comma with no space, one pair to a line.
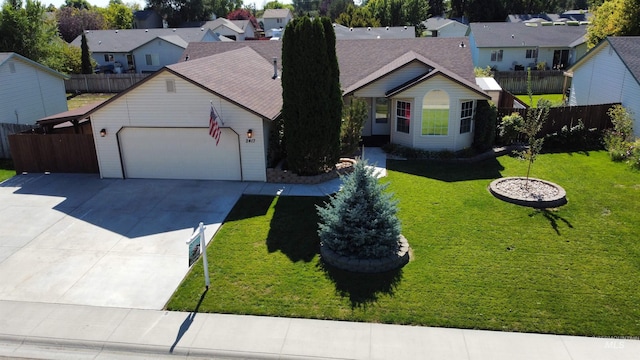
102,83
592,116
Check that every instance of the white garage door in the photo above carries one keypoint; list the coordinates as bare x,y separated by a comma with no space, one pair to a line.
179,153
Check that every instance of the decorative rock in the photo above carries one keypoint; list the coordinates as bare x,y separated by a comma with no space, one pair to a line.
535,193
351,263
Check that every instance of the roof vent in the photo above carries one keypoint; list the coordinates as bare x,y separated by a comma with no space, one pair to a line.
462,44
174,29
201,29
513,36
387,28
369,28
405,27
116,31
275,68
146,30
350,29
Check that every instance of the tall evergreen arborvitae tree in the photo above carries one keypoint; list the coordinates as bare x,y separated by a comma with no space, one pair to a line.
85,57
312,99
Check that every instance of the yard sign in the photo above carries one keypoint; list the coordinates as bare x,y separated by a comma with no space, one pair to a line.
197,246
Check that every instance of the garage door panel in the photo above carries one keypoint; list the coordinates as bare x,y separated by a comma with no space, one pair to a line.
179,153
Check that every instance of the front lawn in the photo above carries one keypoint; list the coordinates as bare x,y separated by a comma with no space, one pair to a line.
6,169
477,262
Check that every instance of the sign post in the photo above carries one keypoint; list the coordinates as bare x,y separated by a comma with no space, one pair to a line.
197,245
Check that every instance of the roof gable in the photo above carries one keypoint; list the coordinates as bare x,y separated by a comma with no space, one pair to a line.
276,13
6,56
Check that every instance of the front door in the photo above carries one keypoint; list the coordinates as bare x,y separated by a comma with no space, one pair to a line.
380,116
560,59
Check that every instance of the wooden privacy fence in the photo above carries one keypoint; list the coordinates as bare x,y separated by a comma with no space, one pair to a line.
7,129
592,116
102,83
542,81
68,153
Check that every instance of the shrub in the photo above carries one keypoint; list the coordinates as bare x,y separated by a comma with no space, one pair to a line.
485,128
619,140
634,157
572,138
508,128
483,72
353,121
360,220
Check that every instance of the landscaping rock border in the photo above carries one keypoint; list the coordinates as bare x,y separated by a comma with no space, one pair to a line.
539,197
355,264
279,175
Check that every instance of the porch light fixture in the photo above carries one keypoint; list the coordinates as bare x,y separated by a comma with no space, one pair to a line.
249,134
103,132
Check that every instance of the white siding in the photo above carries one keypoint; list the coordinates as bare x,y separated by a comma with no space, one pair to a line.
167,53
379,87
150,105
29,93
603,78
454,141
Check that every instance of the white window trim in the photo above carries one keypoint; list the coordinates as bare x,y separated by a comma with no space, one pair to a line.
470,116
411,111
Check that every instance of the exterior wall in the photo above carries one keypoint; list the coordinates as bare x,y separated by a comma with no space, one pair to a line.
381,86
29,93
482,57
168,54
454,141
225,31
117,57
150,105
275,23
604,79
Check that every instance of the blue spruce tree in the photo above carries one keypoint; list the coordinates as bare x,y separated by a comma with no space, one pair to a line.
360,220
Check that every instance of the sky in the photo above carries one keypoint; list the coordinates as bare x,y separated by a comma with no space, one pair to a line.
104,3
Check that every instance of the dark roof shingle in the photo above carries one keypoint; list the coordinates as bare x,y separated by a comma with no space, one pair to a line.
507,34
628,48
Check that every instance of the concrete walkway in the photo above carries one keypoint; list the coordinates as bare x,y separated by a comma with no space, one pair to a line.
48,328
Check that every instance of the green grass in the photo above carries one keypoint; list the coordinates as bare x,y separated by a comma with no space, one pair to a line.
556,99
85,99
6,169
477,262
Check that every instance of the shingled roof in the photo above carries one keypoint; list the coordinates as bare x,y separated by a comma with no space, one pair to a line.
628,48
507,34
130,39
362,59
251,87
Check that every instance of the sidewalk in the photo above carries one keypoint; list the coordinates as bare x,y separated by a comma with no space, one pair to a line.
38,330
53,331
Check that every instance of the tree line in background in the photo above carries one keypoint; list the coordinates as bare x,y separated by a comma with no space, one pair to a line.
42,33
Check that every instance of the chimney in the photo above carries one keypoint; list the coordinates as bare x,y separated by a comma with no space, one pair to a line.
275,68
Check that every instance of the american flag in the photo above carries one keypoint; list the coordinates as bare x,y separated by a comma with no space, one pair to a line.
214,129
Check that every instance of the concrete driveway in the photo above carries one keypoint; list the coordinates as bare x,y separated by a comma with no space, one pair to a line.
78,239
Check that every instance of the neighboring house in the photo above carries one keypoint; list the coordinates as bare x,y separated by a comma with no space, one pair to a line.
276,19
141,50
420,93
516,46
609,73
442,27
28,90
146,19
389,32
237,30
571,15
